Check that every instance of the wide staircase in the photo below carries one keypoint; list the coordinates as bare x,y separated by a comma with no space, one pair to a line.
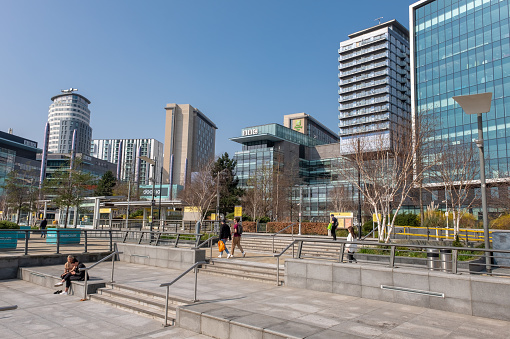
264,244
139,301
245,269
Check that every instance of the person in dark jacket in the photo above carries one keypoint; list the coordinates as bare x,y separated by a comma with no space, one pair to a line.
224,235
44,222
74,274
334,225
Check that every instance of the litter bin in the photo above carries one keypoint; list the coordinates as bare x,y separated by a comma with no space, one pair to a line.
445,256
433,262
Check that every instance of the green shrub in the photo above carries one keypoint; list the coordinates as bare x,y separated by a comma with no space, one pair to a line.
501,223
8,225
407,219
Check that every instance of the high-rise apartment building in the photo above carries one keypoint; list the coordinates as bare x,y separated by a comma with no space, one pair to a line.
189,142
126,150
69,112
461,47
374,93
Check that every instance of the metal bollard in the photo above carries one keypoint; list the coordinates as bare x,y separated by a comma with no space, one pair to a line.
86,243
58,241
26,242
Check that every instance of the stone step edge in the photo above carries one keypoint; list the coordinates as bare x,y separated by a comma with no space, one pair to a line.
241,269
245,277
197,317
108,292
149,293
132,307
245,273
243,266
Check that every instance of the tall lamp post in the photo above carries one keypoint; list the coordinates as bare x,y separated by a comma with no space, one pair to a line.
478,104
153,163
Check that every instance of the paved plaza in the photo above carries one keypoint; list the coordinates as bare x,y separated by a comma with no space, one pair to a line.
295,312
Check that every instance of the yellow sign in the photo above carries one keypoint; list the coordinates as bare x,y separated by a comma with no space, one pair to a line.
105,210
298,125
238,211
374,217
192,209
213,216
344,218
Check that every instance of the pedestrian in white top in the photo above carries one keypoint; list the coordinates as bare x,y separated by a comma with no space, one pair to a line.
351,248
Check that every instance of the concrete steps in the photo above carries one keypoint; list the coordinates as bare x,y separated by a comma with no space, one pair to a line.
263,244
138,301
262,272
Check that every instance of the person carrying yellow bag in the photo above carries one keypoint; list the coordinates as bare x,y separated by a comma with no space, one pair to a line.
224,236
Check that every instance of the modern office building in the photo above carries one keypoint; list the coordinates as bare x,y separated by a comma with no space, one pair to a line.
299,154
374,93
125,150
18,154
69,112
88,164
189,142
460,48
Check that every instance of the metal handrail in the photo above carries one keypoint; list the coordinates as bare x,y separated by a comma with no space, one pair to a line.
392,247
278,260
86,269
275,234
210,240
167,285
8,308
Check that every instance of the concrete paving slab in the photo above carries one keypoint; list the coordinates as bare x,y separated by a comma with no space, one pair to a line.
246,304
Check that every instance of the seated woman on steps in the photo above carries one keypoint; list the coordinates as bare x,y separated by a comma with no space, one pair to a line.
74,274
68,266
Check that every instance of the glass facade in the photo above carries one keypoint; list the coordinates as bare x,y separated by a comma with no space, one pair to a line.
7,157
463,47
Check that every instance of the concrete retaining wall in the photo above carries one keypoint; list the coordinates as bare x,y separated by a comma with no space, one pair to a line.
170,257
481,296
9,265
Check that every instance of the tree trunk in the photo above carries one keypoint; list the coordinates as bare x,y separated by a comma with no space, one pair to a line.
67,216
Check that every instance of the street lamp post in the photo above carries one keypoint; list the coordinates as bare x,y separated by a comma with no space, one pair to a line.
478,104
300,207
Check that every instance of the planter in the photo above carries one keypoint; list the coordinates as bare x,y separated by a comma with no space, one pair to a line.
21,235
67,236
501,241
8,240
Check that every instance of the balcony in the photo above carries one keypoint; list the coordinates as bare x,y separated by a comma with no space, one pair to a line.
364,94
362,77
364,102
363,111
363,51
363,60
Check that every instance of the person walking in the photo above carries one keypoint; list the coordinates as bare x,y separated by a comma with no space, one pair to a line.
236,241
334,225
224,236
351,248
43,225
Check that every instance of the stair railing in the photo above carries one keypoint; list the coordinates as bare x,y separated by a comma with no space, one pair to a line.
278,260
280,231
208,241
86,269
167,285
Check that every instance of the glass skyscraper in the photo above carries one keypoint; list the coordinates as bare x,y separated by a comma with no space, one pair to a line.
461,47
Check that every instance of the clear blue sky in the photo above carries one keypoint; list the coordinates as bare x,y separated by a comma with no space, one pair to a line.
242,63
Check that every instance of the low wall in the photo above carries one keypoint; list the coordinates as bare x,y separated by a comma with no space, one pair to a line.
9,265
475,295
170,257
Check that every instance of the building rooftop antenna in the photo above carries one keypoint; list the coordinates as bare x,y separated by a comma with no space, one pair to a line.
70,90
379,19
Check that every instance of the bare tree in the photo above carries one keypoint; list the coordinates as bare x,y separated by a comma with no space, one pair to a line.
200,191
259,196
388,170
458,169
338,200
